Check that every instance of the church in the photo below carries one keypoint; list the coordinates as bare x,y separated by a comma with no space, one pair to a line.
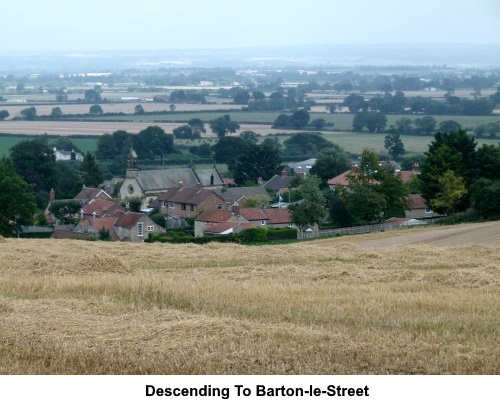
149,184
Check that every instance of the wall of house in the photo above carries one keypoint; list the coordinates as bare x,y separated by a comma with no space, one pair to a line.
131,233
210,203
418,213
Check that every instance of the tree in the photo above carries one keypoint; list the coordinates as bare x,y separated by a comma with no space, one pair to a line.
485,197
65,210
281,120
134,203
183,132
449,126
197,126
318,123
393,144
153,141
425,124
4,114
404,125
223,125
35,161
242,97
365,205
306,143
103,234
488,162
29,114
299,119
96,109
172,107
375,121
61,96
92,95
258,95
139,110
257,161
250,137
312,210
452,190
454,152
17,202
90,172
228,149
355,103
56,112
330,163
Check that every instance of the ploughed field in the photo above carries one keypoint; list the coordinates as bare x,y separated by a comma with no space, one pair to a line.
332,306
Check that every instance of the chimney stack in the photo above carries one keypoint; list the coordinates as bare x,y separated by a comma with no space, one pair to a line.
198,186
415,168
236,209
181,184
284,173
52,195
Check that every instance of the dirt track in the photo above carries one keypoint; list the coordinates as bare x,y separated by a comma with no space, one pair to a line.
459,235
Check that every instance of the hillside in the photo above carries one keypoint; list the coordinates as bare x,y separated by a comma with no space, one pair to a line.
416,301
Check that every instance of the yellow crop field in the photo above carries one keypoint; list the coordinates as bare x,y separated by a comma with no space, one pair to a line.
415,301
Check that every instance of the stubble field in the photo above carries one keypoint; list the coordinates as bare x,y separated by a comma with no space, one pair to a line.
330,306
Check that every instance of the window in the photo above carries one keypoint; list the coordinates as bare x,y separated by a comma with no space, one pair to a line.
172,205
183,207
219,206
192,207
151,228
130,189
428,211
263,222
290,224
140,229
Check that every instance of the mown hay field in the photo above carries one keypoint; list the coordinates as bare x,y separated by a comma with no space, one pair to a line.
316,307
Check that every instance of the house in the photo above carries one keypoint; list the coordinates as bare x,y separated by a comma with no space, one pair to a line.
67,155
213,222
187,202
279,183
94,225
99,208
238,195
343,178
135,226
149,184
418,207
300,167
90,194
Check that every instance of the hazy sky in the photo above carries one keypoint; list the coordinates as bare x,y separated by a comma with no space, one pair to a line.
165,24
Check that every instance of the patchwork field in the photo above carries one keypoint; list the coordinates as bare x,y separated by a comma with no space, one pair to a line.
335,306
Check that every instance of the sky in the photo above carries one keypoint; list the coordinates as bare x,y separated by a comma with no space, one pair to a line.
84,25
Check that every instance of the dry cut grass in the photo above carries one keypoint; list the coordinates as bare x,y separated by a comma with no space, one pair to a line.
319,307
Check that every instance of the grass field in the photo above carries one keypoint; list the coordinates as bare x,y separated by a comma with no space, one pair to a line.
317,307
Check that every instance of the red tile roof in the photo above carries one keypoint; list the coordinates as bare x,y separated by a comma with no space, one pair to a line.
106,223
341,179
128,219
214,216
406,175
417,202
253,214
219,228
89,193
278,216
64,234
102,206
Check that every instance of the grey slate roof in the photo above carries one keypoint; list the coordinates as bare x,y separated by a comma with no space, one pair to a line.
303,166
277,182
234,194
150,180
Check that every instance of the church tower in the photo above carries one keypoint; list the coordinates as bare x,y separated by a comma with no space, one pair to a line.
132,164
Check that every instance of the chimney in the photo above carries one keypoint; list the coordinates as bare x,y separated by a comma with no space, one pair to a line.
108,189
236,209
181,184
300,174
260,182
415,168
259,205
198,186
284,173
52,195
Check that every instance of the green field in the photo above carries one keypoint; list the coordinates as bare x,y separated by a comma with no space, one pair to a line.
8,141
